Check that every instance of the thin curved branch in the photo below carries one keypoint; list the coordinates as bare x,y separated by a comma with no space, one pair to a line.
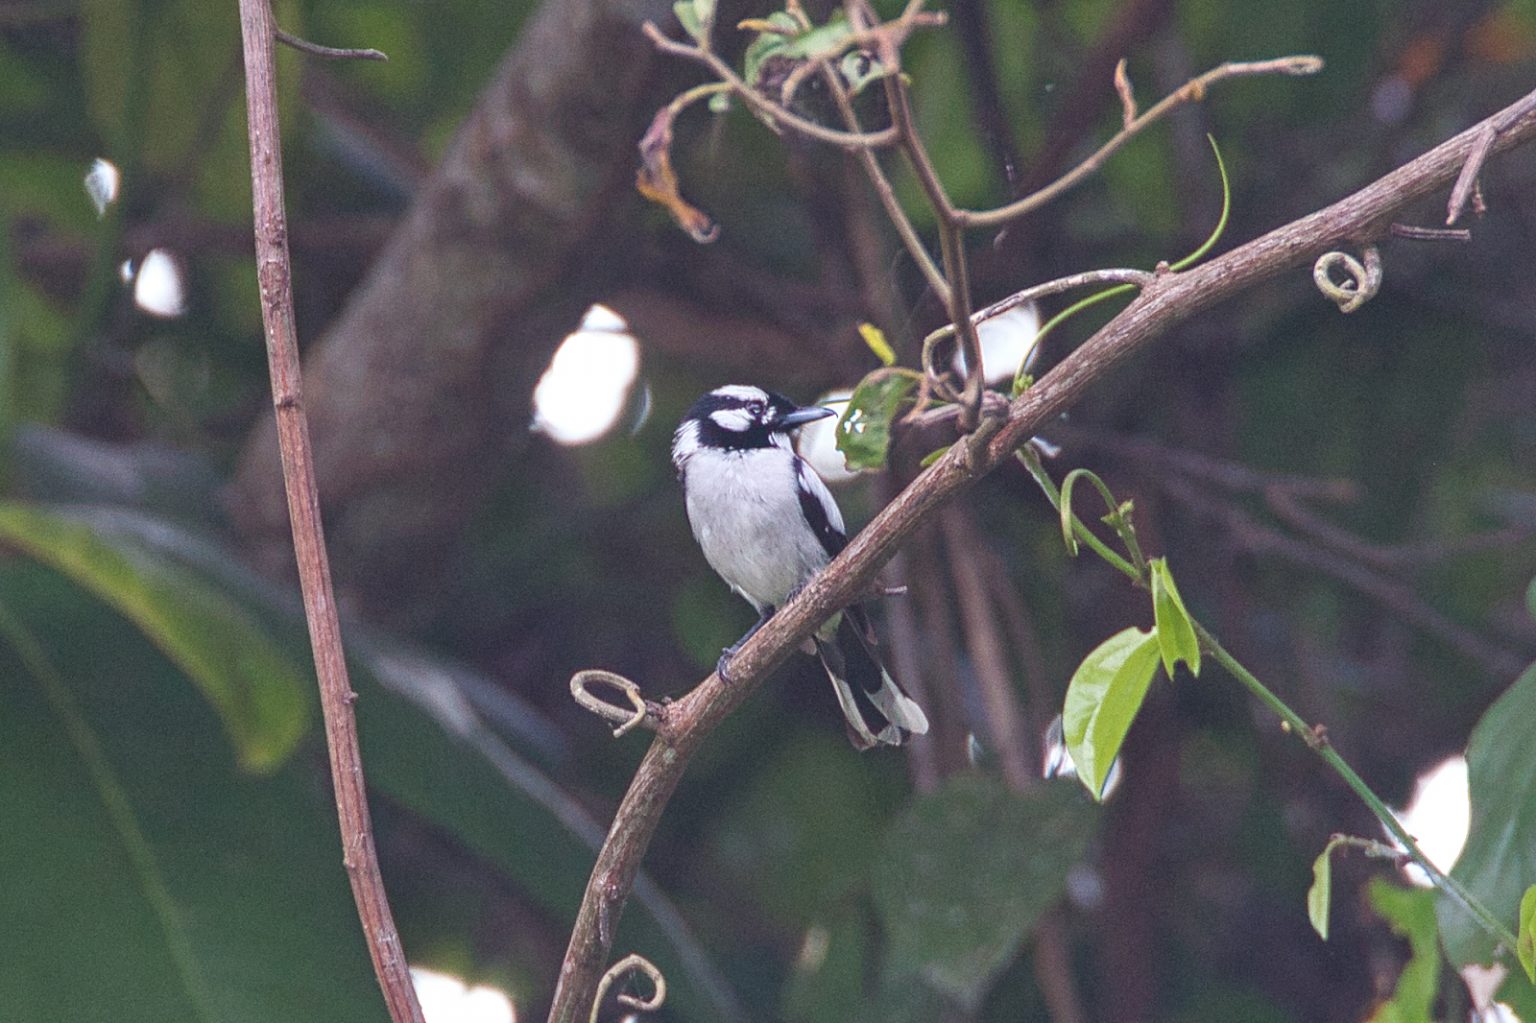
1191,91
1167,301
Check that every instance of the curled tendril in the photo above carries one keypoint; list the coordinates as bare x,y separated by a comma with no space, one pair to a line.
625,717
632,964
1360,284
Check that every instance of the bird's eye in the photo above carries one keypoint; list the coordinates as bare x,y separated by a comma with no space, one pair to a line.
757,409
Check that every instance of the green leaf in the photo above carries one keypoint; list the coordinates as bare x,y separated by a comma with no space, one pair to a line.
864,430
781,35
966,873
1103,699
1175,633
1320,895
694,16
1411,913
260,691
874,337
773,36
1525,945
1498,863
153,879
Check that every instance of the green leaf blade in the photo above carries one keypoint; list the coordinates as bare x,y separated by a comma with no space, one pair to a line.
1103,699
965,875
1498,863
259,690
864,429
1320,895
1176,638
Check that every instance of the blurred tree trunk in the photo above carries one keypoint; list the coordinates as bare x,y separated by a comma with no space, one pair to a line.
422,385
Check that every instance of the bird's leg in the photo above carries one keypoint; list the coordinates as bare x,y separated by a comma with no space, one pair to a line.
729,652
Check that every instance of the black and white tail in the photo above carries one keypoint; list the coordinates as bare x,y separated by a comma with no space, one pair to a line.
876,709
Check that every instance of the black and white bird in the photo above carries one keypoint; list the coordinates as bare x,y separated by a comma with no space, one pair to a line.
767,524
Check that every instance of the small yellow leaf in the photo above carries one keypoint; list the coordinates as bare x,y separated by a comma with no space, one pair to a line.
875,338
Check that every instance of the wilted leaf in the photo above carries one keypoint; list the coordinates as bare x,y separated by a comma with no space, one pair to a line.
259,690
657,181
1175,633
1103,699
1411,912
864,430
965,874
1498,863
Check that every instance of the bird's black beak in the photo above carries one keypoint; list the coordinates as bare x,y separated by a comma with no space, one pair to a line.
801,416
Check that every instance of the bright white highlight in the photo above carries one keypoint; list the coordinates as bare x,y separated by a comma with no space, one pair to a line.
818,442
584,391
158,288
1007,341
446,999
101,184
1439,816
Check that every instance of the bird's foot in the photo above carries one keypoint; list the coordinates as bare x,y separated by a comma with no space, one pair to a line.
722,666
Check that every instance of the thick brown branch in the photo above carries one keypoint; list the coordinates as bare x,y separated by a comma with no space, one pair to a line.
274,272
1167,301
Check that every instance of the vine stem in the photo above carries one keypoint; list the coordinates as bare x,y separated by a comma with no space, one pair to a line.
1317,741
1315,738
274,273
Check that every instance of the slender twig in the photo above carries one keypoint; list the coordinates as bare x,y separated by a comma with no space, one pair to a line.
951,240
1191,91
1466,182
327,52
1431,234
886,193
1168,300
274,273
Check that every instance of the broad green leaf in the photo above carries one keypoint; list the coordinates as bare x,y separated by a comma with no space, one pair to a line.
1103,699
874,337
801,836
147,877
965,874
1498,863
826,982
864,430
1175,633
429,749
1411,913
1320,894
1525,945
258,687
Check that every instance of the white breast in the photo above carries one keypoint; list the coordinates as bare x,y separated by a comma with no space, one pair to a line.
745,512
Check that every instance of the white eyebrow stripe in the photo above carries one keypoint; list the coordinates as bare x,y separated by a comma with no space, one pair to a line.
737,420
742,392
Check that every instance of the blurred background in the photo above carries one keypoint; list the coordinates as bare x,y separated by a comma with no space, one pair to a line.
500,336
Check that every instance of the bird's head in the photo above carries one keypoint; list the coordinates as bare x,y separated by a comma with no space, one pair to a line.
738,418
